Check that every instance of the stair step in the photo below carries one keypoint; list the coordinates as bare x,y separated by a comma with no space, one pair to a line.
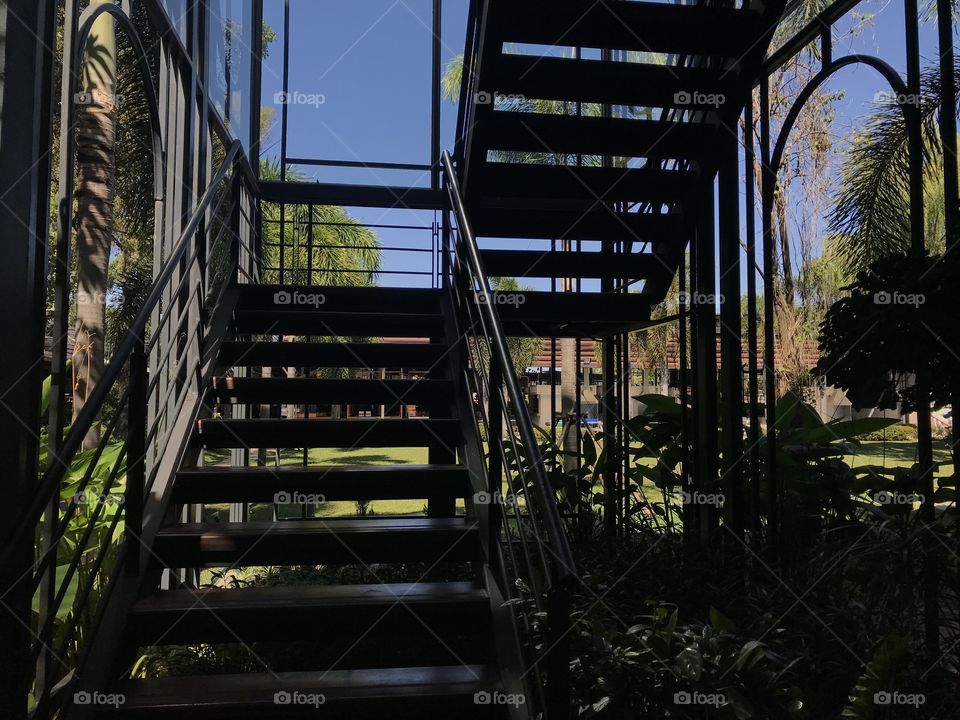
401,693
569,134
538,263
638,26
573,223
419,356
337,483
312,298
306,612
320,391
595,184
615,83
338,324
363,432
570,314
344,541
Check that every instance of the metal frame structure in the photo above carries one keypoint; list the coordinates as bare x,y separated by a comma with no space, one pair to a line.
207,239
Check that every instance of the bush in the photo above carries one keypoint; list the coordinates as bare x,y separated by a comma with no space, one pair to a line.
894,433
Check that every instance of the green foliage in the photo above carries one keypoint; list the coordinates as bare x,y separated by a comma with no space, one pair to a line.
899,318
894,433
871,215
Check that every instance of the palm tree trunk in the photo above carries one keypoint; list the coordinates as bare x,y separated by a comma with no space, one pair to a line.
96,164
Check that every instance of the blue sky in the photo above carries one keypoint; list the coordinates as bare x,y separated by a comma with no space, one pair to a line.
362,68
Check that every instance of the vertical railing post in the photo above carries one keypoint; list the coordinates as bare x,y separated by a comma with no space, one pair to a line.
236,216
558,654
495,414
136,455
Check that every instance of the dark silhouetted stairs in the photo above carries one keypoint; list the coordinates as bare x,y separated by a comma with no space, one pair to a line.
610,123
405,648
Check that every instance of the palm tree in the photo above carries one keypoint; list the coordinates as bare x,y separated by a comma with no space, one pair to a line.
96,167
343,251
871,215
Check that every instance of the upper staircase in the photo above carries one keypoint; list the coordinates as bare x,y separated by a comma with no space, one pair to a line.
599,125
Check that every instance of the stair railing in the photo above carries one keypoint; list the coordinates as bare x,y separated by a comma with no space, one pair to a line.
529,554
102,474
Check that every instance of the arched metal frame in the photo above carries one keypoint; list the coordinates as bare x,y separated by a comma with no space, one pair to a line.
74,50
770,183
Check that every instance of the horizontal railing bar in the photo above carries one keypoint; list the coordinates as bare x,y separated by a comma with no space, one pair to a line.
359,164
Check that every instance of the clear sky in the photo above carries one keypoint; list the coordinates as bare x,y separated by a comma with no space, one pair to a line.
362,72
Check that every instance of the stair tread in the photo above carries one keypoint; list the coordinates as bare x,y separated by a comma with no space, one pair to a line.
544,263
641,184
337,324
639,26
258,688
331,526
350,482
490,220
310,542
410,355
330,390
354,432
267,472
334,299
309,596
568,134
630,84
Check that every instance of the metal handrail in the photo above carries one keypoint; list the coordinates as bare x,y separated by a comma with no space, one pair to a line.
562,568
60,464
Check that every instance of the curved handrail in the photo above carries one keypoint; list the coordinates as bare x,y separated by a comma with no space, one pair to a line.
562,569
58,468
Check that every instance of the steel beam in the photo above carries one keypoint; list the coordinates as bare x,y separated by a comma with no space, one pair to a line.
26,66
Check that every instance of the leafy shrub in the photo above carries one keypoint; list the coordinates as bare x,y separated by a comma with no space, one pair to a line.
894,433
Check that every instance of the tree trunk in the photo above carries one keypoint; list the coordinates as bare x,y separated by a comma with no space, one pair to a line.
94,218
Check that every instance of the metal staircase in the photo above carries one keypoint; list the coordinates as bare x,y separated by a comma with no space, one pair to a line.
488,637
600,126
